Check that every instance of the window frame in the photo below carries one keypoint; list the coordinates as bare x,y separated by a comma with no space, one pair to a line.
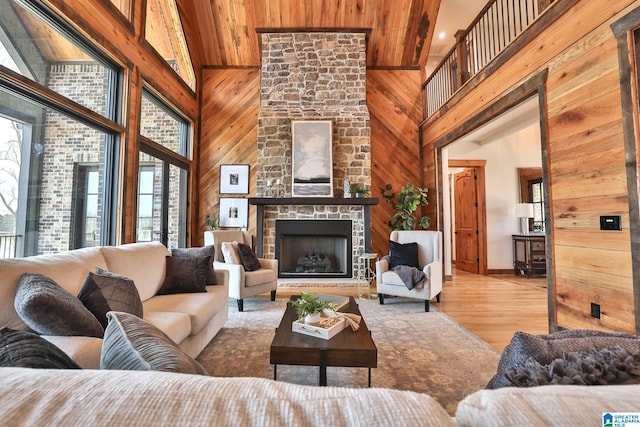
32,91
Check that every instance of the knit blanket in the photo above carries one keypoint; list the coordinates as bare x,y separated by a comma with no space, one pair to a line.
411,277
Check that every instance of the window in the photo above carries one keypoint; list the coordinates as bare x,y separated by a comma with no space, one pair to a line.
162,199
62,174
163,31
86,222
537,198
146,202
165,149
48,51
12,134
123,6
163,125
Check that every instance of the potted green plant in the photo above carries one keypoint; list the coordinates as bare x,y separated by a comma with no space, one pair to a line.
359,190
211,223
309,307
406,203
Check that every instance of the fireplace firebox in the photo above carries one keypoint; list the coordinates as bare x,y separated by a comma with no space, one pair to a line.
314,248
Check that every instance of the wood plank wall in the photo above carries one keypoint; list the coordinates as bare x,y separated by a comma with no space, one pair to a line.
586,158
229,134
395,104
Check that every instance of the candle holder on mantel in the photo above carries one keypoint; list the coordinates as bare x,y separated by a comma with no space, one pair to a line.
275,188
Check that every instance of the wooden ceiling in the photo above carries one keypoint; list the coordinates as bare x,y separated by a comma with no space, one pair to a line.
223,32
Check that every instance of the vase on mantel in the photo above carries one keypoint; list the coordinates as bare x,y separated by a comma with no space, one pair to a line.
347,189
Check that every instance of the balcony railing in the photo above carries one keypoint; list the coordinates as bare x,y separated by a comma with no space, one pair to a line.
497,25
8,245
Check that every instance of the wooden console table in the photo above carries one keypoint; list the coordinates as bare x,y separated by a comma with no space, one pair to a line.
261,202
529,256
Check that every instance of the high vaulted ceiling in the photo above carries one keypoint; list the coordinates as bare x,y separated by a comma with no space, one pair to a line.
400,30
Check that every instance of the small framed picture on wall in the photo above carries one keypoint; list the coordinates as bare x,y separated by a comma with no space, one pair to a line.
234,179
234,212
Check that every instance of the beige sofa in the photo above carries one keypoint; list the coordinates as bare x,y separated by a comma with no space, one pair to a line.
549,405
137,398
190,320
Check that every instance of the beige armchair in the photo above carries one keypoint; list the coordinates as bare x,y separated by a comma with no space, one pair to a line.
242,283
430,261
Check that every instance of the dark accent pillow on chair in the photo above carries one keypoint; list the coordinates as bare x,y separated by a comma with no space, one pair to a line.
186,275
22,349
198,252
403,254
132,344
104,291
49,309
248,258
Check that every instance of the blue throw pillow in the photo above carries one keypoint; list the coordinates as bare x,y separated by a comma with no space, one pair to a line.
133,344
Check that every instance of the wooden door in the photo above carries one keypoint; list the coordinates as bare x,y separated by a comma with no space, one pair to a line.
466,221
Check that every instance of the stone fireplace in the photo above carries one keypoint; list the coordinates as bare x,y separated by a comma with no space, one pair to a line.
313,76
314,248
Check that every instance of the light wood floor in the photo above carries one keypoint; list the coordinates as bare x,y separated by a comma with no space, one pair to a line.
495,307
492,307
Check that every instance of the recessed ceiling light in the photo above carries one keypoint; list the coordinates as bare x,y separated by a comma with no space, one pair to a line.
442,35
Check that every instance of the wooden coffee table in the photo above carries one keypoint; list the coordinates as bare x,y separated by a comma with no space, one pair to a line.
348,348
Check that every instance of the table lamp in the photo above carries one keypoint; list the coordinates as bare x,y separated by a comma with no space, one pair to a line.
524,211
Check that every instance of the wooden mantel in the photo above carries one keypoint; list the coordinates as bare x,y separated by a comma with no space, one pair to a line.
261,202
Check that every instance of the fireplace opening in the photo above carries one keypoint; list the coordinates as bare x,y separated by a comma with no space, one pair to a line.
314,248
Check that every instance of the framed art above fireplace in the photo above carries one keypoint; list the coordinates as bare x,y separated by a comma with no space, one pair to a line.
312,158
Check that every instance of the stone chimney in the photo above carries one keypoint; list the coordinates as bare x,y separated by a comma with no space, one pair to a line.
313,76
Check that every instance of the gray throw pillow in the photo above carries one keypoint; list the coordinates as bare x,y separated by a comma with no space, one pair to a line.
206,251
545,348
22,349
104,291
49,309
403,254
248,258
186,275
133,344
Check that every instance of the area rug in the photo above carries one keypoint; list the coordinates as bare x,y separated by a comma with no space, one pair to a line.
418,351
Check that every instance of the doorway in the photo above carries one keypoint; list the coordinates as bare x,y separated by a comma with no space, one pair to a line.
507,143
505,111
468,211
161,198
